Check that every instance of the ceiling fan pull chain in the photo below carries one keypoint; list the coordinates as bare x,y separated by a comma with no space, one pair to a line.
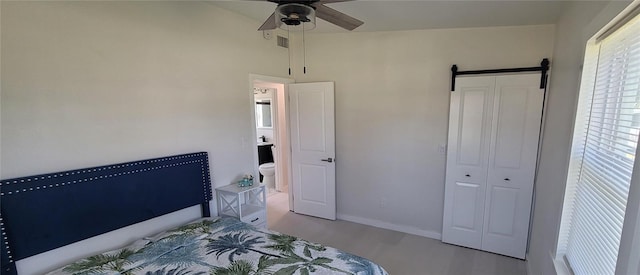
304,52
289,49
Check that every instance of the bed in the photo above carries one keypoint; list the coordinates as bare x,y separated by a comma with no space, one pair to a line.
45,212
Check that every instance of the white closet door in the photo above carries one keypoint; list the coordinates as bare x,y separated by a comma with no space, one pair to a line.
468,153
512,161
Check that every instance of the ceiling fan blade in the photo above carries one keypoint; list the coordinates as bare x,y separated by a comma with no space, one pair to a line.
337,18
270,24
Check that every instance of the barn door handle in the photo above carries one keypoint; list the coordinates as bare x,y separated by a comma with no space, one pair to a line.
327,160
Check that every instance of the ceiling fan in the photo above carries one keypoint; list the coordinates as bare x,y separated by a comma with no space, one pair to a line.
293,13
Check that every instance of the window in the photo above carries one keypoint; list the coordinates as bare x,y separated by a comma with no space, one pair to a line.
603,153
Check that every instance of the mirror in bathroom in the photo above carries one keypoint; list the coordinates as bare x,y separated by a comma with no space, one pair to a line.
263,113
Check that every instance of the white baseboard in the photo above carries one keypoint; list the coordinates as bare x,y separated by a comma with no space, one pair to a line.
391,226
560,265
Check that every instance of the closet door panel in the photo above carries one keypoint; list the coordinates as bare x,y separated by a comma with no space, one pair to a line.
502,210
510,127
465,197
470,143
512,162
467,157
470,129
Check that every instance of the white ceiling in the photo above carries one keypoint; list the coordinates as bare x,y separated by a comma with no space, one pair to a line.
411,15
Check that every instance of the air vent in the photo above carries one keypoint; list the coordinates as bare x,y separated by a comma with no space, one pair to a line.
283,42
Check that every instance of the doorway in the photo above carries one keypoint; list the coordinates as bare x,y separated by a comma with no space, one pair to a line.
269,101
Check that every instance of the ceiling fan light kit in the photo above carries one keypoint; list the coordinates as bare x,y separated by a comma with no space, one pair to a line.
303,12
295,17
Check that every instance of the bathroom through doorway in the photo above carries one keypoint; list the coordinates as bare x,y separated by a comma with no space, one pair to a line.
271,135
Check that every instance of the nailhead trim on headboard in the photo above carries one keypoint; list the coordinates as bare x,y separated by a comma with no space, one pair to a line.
207,192
99,169
107,176
5,240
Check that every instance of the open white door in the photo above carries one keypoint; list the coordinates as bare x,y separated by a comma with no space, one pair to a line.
313,149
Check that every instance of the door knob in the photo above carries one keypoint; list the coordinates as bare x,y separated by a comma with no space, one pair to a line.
467,175
327,160
507,179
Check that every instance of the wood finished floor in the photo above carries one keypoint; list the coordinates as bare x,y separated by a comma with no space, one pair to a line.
397,252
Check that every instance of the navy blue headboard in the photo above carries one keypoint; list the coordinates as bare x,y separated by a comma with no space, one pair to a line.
44,212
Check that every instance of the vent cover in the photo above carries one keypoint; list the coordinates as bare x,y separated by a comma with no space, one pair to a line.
283,42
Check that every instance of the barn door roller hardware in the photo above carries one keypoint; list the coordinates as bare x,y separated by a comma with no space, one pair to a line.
543,68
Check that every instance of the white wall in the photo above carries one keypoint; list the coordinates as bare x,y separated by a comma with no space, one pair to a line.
283,151
574,28
93,83
392,105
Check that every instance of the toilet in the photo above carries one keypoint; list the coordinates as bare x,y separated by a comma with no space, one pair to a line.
268,171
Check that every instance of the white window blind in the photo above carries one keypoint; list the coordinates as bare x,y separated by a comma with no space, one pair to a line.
603,153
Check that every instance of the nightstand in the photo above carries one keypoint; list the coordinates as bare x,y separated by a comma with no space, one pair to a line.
249,203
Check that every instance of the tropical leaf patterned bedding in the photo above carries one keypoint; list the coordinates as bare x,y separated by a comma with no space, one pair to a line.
223,246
